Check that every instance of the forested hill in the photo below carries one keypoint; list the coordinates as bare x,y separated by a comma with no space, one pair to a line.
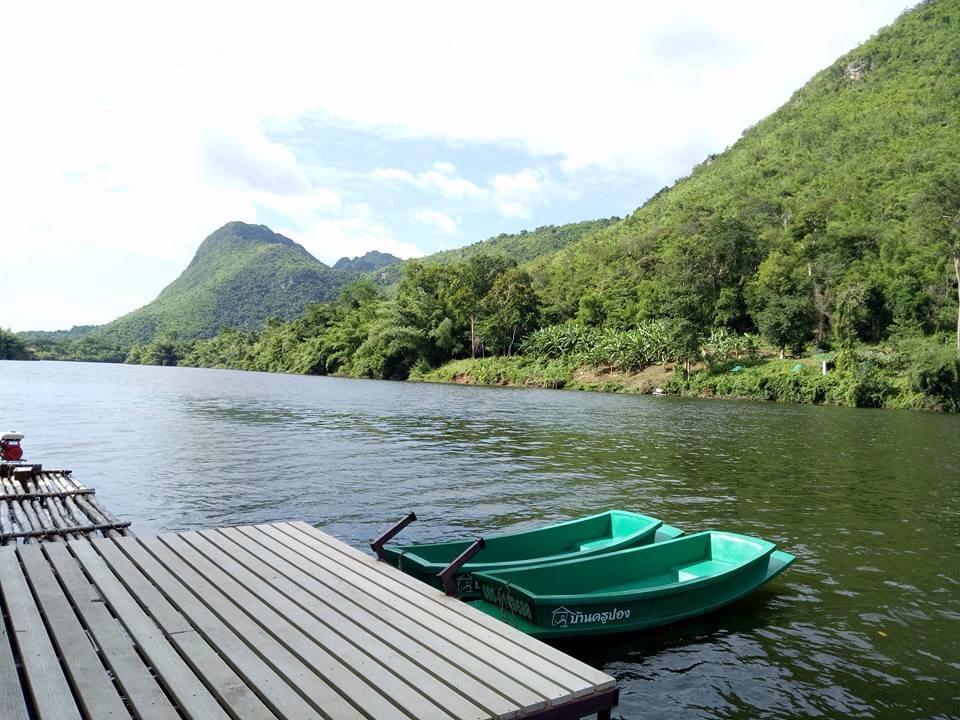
520,247
526,245
837,217
240,276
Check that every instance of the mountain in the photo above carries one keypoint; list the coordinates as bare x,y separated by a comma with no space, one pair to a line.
372,260
240,276
837,217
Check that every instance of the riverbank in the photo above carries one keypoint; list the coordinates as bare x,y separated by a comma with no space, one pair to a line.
906,372
869,378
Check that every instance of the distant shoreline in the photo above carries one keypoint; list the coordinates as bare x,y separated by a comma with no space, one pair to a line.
789,381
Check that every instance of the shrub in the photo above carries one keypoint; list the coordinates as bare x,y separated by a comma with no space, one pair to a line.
935,375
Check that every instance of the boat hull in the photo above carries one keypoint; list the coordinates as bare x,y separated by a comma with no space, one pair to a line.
564,616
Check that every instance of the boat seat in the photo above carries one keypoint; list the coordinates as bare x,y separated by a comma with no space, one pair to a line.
596,544
700,569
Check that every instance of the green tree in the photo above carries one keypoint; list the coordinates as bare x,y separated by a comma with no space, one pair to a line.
511,310
940,207
12,347
163,350
472,281
783,307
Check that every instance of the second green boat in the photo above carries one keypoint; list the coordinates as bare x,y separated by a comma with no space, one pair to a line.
585,537
631,589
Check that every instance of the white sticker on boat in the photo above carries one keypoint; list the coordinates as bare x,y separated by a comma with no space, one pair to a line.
504,600
565,618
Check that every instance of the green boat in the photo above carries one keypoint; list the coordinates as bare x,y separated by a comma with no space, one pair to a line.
631,589
585,537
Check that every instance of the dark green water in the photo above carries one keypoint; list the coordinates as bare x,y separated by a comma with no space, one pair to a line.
866,624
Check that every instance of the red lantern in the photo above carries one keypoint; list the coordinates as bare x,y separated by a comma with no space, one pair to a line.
10,450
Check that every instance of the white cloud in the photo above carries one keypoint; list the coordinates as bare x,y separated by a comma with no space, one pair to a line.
451,186
514,195
404,176
445,167
440,220
443,181
511,195
246,156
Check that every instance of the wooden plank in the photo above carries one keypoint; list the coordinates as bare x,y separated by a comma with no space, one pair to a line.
280,697
144,695
539,660
13,705
96,692
486,683
221,680
339,675
191,695
542,684
361,630
311,686
49,689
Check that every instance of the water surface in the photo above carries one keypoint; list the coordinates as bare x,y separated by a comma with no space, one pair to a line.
866,623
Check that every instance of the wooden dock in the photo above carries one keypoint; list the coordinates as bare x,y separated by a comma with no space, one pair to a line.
257,622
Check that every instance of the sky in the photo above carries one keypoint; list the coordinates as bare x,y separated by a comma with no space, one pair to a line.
130,131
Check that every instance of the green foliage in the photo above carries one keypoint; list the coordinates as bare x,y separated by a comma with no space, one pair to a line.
648,343
784,308
162,350
774,381
48,337
864,381
935,376
89,348
527,244
722,345
517,370
511,310
12,347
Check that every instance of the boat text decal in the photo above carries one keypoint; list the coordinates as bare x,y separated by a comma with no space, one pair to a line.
505,600
565,618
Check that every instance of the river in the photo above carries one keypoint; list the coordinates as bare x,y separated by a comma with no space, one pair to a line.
866,623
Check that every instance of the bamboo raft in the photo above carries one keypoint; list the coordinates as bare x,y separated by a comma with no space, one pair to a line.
262,622
38,505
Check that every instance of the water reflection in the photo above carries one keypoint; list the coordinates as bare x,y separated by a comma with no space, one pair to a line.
865,624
